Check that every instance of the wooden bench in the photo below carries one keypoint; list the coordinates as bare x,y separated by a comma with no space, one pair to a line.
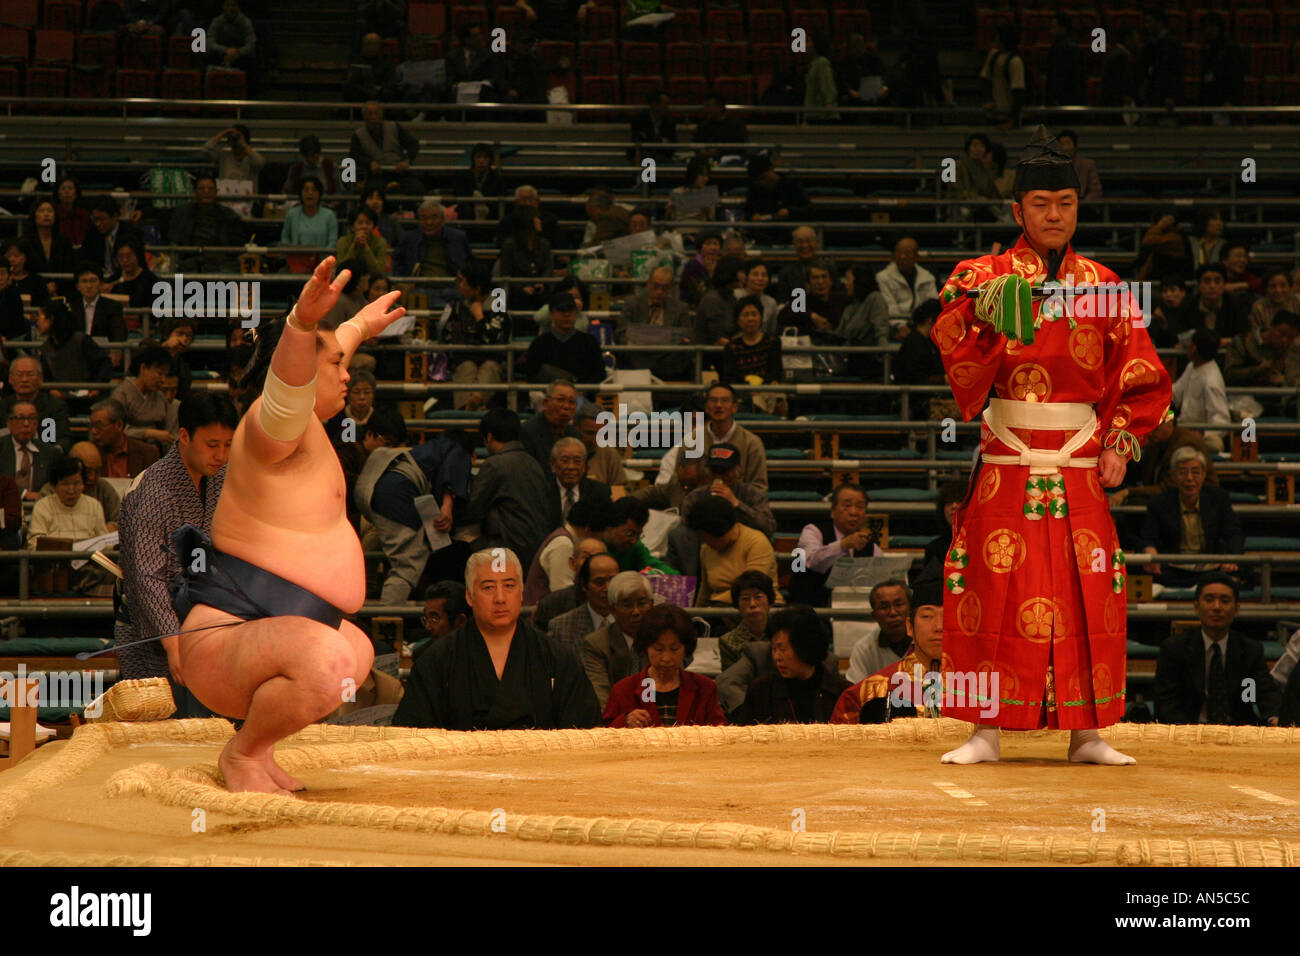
21,695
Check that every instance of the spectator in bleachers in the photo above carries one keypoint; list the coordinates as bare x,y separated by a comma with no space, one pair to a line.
445,610
727,548
1064,71
552,569
678,698
124,456
1240,280
568,463
1004,179
715,309
157,17
364,243
1190,518
654,124
1202,674
433,249
696,178
720,408
472,320
92,467
772,194
385,17
384,151
133,278
1266,357
374,200
371,76
1223,67
802,690
96,314
68,354
919,361
554,421
859,63
384,428
576,288
697,274
556,19
753,356
604,462
482,178
361,398
1004,68
560,602
608,653
951,494
606,219
68,513
18,254
525,255
309,223
232,41
311,165
623,538
1162,62
591,579
110,232
905,283
1278,297
1209,244
235,158
518,76
25,380
891,607
975,177
387,488
470,61
1121,73
718,476
845,532
654,305
1084,167
1200,394
715,126
496,672
794,275
689,475
1214,308
1154,473
203,222
141,397
1173,314
664,245
546,223
753,595
14,326
72,214
562,351
49,251
820,86
758,279
507,489
824,304
24,458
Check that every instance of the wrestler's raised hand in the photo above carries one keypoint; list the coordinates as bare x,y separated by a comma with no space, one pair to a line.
376,314
319,294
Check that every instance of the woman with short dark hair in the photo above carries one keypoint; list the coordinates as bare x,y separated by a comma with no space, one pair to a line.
803,690
664,694
69,354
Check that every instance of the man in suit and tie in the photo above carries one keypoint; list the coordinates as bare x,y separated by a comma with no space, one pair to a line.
1190,518
571,628
571,484
98,316
26,378
102,242
22,456
1212,675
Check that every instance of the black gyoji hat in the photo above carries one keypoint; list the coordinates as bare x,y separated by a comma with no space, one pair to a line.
1044,165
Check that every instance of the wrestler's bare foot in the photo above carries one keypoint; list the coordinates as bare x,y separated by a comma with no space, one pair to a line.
281,776
1086,746
246,774
982,747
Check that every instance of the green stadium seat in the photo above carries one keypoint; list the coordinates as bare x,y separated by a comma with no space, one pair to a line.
777,494
851,453
787,454
1143,651
1268,543
455,413
910,540
903,494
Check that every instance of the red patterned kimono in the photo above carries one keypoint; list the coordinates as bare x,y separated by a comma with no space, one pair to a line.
1034,579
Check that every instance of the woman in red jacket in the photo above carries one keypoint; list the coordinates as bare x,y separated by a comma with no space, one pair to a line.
664,695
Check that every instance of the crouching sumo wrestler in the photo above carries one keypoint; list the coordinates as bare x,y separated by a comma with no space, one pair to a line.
264,638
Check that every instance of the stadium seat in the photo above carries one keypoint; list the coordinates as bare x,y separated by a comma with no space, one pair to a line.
1036,22
47,81
555,54
738,90
851,21
97,49
599,89
768,26
684,27
1120,22
685,59
11,81
142,52
15,45
427,19
392,50
598,58
641,58
181,55
62,15
20,13
1250,90
684,88
462,18
637,88
601,24
724,25
225,85
1176,21
813,19
728,59
1253,26
136,83
987,24
1267,59
1192,61
181,84
55,46
1288,24
88,83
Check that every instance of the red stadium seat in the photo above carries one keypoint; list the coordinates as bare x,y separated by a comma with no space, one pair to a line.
735,90
555,54
427,19
598,58
47,81
641,58
1176,21
687,89
724,25
811,19
15,45
88,84
599,89
97,49
11,81
1121,22
1288,22
1267,59
1251,90
728,59
55,46
851,21
509,18
225,85
1291,89
1253,26
685,58
770,58
1092,91
180,54
1271,94
684,27
392,50
1035,23
1192,61
601,24
181,84
142,52
20,13
462,18
987,24
768,26
62,15
136,83
637,88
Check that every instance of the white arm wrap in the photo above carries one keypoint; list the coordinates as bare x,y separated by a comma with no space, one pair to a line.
286,409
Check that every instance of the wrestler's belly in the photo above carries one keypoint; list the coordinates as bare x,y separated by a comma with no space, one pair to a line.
328,561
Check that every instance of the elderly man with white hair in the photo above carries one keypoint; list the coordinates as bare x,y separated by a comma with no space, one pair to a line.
608,655
1190,518
544,222
433,248
384,152
496,672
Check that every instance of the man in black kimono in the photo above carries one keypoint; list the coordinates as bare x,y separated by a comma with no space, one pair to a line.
496,672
